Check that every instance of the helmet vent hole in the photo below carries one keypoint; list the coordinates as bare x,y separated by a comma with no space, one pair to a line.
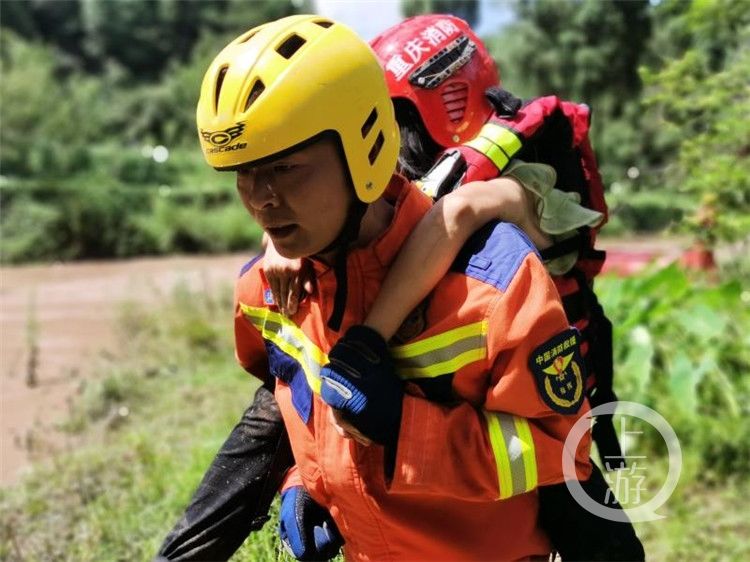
455,97
324,23
369,122
290,46
255,91
219,82
375,150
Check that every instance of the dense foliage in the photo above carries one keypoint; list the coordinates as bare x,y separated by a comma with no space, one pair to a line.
92,95
90,89
682,347
668,83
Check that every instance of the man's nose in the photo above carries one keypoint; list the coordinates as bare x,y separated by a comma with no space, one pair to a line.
257,188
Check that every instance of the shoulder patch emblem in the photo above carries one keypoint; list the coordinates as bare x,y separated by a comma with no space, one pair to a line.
559,372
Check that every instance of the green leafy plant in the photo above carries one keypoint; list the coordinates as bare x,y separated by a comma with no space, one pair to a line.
682,346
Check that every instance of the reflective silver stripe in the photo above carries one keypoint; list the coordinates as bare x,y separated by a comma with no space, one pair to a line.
427,364
514,452
442,353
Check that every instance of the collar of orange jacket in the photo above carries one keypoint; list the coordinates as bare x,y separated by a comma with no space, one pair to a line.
410,205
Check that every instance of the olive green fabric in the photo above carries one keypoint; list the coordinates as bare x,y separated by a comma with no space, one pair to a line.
560,213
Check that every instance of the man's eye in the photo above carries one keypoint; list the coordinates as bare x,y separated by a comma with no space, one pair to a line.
284,168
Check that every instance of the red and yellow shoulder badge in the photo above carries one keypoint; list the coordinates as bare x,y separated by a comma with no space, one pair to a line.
559,371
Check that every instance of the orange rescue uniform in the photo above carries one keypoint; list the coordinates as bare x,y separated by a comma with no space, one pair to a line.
477,435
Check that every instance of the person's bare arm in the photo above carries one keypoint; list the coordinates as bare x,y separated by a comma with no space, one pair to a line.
428,253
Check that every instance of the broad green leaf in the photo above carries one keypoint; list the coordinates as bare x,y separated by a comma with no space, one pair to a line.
637,366
668,283
683,379
702,322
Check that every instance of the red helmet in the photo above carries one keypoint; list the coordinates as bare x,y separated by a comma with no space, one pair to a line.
440,65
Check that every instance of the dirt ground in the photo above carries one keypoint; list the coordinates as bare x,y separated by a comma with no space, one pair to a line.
55,320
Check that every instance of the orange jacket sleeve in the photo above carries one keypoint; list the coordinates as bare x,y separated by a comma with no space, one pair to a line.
514,441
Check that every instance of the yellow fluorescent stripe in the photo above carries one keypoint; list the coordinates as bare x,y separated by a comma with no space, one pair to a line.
489,149
440,340
311,370
443,354
495,154
529,453
500,450
291,340
263,314
503,137
443,368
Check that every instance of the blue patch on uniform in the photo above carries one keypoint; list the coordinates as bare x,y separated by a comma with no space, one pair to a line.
287,369
248,265
494,253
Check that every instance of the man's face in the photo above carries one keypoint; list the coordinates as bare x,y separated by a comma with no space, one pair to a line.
300,200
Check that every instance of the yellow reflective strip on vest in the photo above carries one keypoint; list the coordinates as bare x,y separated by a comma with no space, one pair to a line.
490,150
281,331
443,353
529,452
502,137
497,143
513,448
444,367
499,449
515,454
440,340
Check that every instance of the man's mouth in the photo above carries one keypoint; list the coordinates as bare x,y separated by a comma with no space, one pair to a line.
281,231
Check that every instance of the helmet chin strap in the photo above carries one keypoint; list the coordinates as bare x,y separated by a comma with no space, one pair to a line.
349,233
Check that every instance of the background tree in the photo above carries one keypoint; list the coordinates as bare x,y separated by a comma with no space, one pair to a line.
145,37
583,50
89,88
700,99
468,10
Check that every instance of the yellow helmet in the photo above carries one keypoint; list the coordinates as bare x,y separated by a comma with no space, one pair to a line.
283,83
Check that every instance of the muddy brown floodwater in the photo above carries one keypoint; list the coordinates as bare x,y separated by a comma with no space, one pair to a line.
54,322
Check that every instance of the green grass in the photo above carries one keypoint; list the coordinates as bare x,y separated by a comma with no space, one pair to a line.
153,419
703,523
151,423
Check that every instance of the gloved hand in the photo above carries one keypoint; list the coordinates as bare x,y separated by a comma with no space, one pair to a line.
307,531
360,380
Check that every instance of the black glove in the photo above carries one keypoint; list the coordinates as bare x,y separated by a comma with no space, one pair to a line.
361,382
